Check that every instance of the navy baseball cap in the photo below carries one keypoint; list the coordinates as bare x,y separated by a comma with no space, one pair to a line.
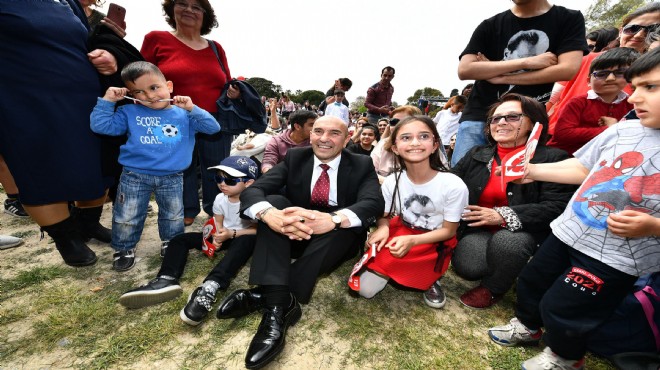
238,166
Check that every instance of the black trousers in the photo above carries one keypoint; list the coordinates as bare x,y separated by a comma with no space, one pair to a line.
272,260
570,294
236,253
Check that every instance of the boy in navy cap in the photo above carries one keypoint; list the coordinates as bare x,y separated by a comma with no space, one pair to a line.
225,230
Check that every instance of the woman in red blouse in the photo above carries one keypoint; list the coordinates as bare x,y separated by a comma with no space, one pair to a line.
186,58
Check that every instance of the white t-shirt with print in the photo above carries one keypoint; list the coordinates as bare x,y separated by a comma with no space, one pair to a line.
427,205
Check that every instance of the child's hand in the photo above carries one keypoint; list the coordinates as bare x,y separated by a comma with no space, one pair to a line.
115,94
607,121
183,102
379,237
221,235
633,224
399,246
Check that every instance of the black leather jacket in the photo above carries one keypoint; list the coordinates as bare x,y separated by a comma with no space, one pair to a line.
531,206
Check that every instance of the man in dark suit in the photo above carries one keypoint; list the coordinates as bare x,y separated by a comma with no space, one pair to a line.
331,197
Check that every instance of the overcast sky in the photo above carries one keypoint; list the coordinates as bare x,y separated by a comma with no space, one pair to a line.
307,44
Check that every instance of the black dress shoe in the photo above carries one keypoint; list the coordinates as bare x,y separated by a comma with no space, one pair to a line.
268,342
240,303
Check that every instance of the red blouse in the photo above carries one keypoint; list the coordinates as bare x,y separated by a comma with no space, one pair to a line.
194,73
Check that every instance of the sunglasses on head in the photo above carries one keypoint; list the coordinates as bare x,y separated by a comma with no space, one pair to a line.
632,29
394,121
229,180
602,75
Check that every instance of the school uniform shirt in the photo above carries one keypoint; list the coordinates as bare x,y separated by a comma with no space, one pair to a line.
338,110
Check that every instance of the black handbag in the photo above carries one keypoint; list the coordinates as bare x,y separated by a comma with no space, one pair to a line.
237,115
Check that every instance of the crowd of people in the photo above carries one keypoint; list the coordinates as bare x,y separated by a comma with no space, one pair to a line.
323,185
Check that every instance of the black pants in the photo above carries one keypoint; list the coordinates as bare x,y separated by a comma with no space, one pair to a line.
570,294
237,252
271,263
209,151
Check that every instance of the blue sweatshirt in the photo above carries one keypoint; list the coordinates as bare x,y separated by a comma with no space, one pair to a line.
160,142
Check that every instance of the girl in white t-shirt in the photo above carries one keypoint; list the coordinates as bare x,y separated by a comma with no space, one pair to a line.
414,246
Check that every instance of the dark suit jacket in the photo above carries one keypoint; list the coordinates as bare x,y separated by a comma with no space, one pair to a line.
357,184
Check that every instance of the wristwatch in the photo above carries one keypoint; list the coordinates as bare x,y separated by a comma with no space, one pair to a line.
336,219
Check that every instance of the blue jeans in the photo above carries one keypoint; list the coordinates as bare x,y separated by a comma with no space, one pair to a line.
130,208
210,150
470,134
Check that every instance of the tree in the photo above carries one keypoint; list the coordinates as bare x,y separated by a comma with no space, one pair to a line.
604,14
358,104
315,97
427,91
264,87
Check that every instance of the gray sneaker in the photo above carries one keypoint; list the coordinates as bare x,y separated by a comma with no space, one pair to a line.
548,360
514,334
434,296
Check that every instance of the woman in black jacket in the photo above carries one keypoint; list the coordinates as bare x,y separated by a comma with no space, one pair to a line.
502,228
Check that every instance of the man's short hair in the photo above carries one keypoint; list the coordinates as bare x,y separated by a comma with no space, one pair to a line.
388,68
346,83
135,70
460,99
644,64
613,58
300,117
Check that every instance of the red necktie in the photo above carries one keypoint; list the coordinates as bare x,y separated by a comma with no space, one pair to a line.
321,191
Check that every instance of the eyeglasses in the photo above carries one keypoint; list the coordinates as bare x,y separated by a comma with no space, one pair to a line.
230,181
632,29
602,75
591,46
394,121
424,137
509,118
193,8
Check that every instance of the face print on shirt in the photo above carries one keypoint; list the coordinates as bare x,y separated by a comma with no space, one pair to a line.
418,211
526,44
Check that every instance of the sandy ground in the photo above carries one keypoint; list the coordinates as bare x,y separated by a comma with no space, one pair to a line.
312,344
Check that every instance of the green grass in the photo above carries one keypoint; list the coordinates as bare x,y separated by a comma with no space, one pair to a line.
50,310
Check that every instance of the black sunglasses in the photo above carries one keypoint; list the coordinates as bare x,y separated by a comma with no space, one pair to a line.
591,46
632,29
230,181
394,121
602,75
509,118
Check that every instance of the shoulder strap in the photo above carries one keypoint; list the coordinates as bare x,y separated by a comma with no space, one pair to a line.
217,56
647,306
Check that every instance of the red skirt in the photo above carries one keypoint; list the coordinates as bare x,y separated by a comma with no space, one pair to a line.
421,267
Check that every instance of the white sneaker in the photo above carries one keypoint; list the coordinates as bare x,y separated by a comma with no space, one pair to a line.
7,241
548,360
514,334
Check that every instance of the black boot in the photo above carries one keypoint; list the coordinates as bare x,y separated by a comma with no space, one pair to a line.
70,243
88,220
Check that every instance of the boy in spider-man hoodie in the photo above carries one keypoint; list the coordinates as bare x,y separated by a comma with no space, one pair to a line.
608,235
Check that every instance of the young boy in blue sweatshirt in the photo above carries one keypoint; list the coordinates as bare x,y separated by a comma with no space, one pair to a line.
161,138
